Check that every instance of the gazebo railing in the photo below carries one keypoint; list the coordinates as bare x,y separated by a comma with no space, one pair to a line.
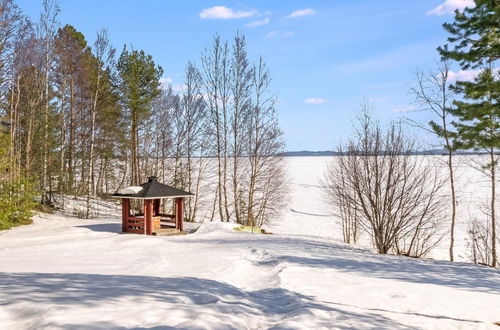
136,225
167,218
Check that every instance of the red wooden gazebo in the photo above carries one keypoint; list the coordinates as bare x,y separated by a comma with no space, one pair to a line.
151,221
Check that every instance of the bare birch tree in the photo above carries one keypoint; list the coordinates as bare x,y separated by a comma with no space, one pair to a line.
194,114
164,107
16,34
104,55
241,74
248,142
267,190
434,95
215,82
47,31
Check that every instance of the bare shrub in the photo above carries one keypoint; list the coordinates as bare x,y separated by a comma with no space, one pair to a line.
479,238
334,189
478,242
381,185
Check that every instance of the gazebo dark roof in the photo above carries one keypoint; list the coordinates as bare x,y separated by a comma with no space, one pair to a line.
153,189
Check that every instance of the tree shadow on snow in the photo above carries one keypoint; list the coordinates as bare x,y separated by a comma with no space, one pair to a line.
348,259
67,291
459,275
104,227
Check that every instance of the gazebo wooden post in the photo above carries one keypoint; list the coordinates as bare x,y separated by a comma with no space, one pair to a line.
156,207
179,206
125,214
148,217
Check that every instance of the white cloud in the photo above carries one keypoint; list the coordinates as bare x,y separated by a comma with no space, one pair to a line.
258,23
404,109
271,34
389,60
462,75
449,6
467,75
178,88
301,12
221,12
168,82
377,100
383,85
280,102
315,100
165,81
279,34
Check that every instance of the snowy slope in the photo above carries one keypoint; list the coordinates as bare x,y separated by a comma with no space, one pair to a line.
66,273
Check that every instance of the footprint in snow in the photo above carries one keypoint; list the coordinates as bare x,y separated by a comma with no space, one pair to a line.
260,257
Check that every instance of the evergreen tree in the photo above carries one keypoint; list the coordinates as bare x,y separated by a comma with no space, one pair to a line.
139,85
475,44
16,192
71,55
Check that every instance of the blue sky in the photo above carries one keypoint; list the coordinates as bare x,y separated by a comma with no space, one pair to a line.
325,56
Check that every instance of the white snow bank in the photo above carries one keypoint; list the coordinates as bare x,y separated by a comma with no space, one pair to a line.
130,190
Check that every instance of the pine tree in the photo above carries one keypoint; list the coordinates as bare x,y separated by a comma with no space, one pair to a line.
139,85
475,44
71,55
16,192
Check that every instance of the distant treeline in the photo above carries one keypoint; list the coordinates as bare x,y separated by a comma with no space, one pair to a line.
434,152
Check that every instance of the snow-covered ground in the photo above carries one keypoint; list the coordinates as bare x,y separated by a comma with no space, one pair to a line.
66,273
